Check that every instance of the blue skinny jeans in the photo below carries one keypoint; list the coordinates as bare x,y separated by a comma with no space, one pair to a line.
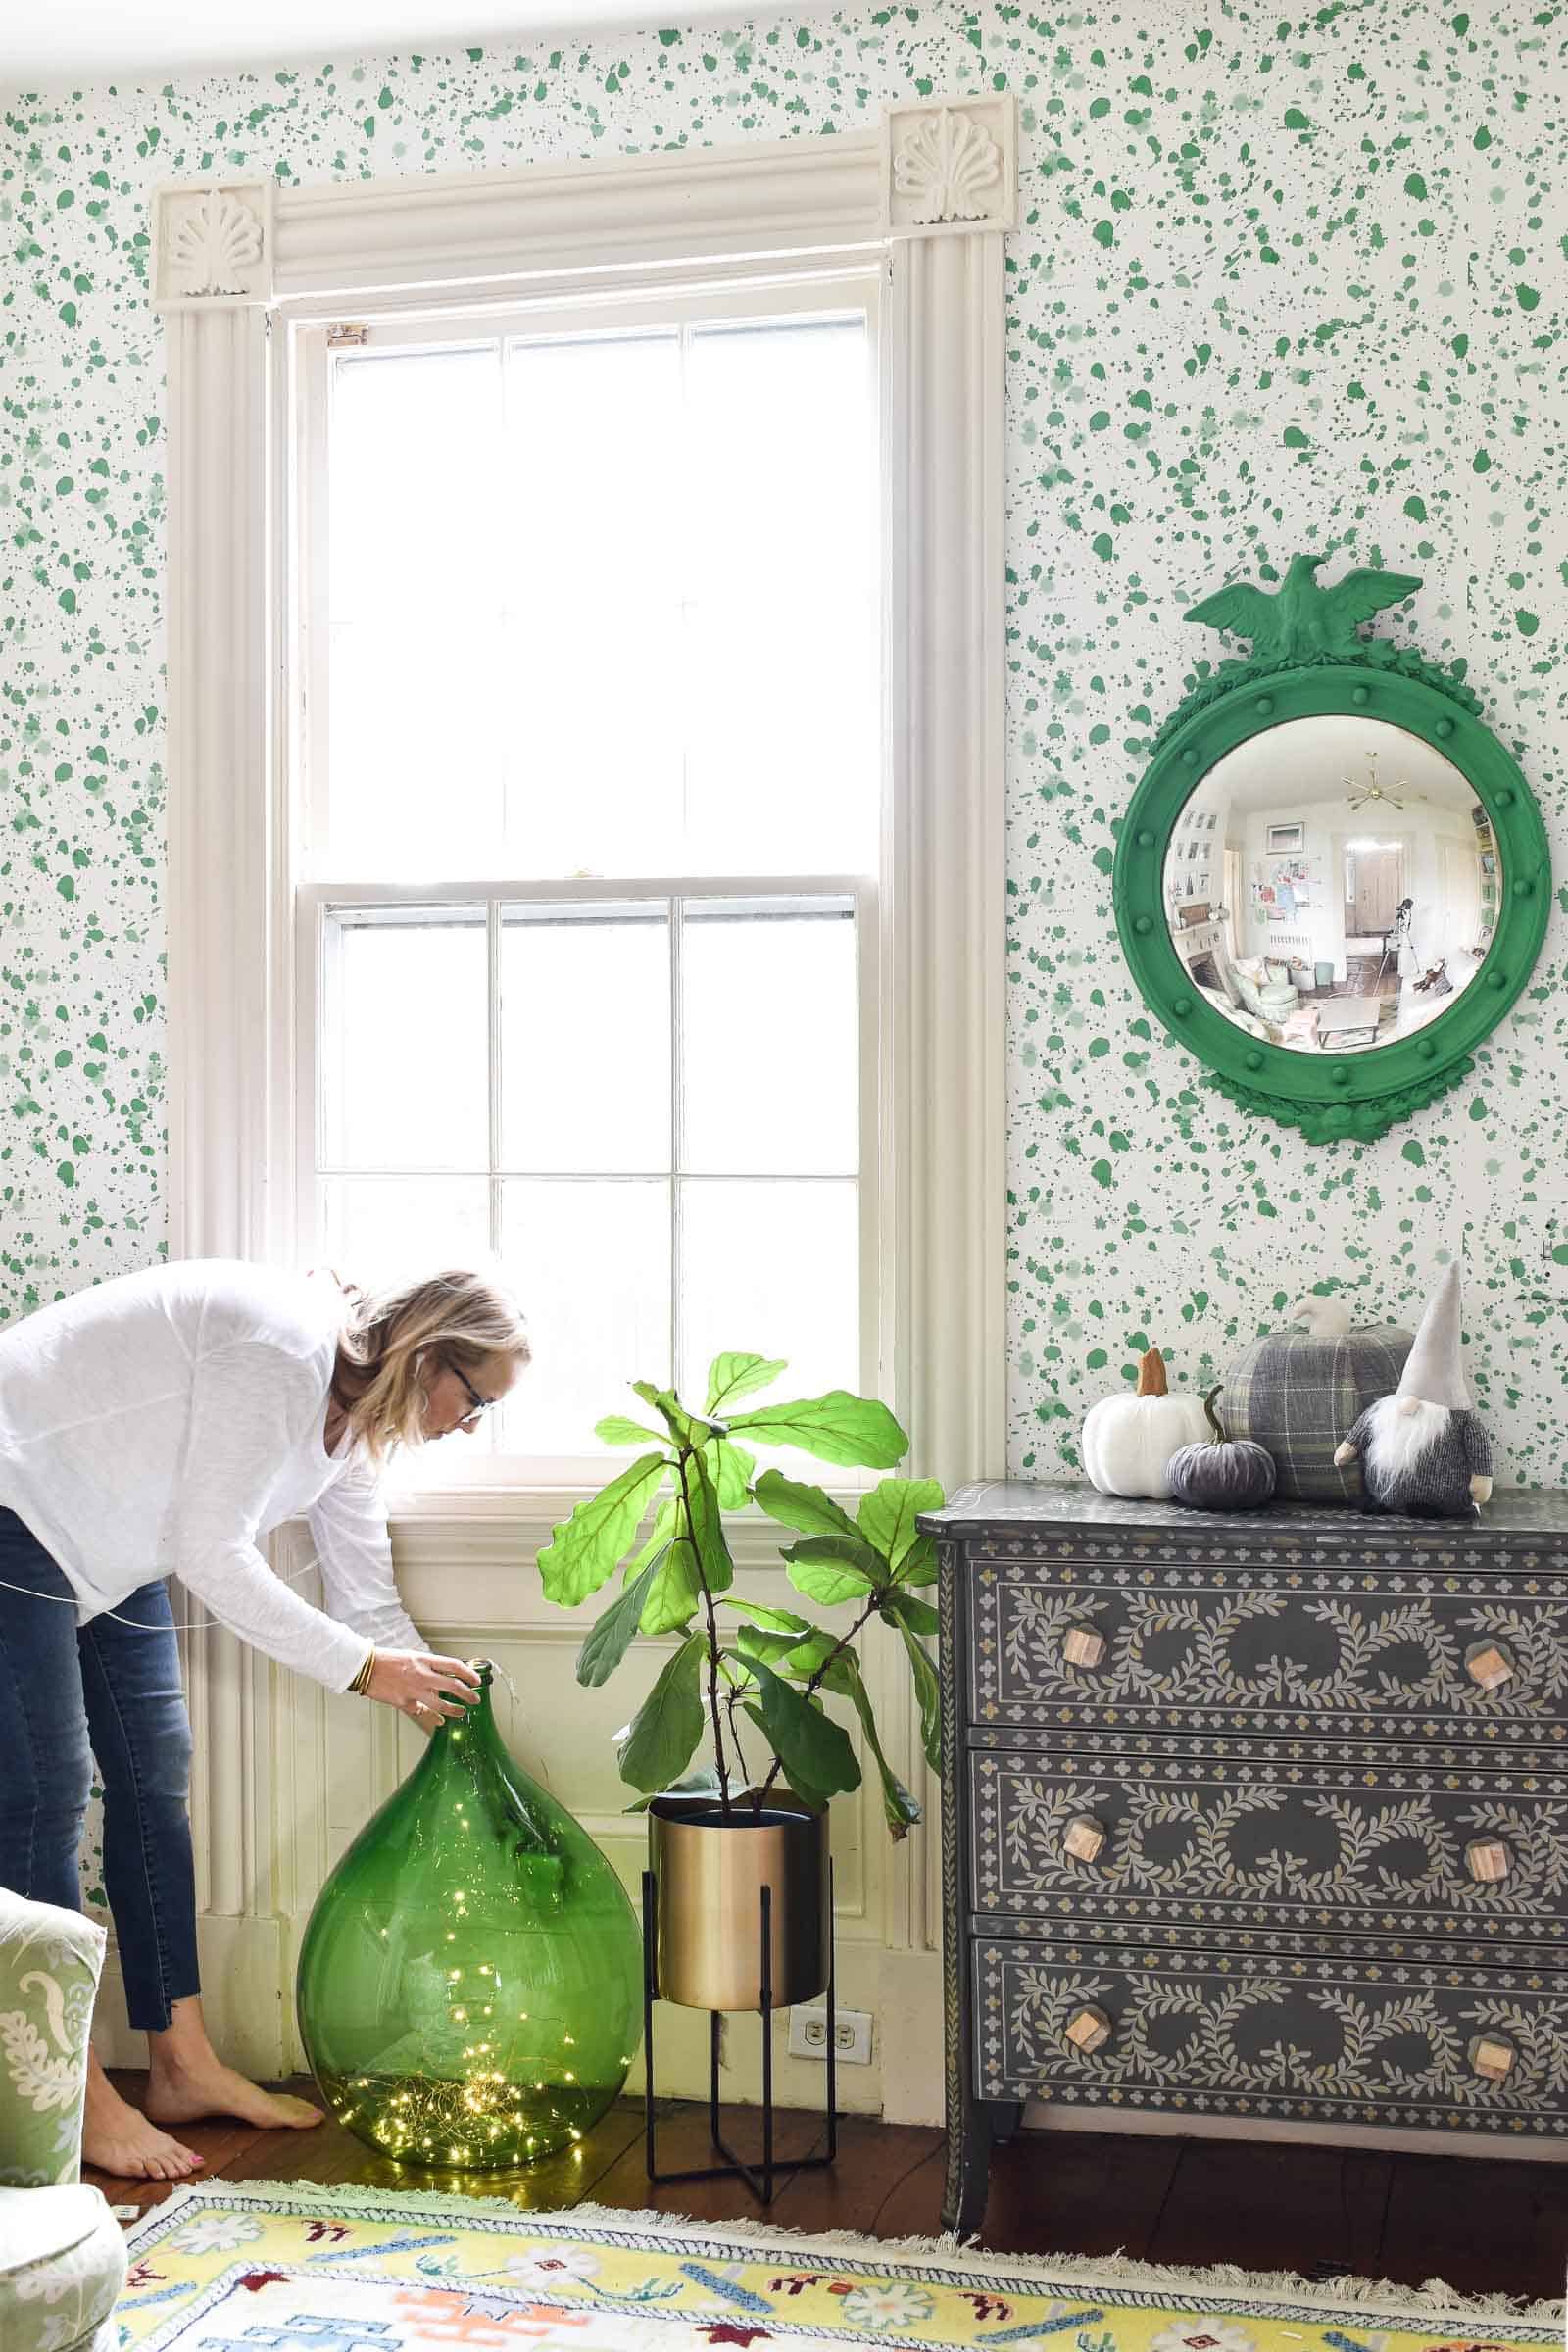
109,1689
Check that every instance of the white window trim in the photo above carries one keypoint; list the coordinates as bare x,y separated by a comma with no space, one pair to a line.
232,258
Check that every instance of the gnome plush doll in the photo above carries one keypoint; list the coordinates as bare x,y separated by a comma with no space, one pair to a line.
1423,1451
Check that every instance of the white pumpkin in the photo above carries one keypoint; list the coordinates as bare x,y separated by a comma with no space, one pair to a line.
1129,1440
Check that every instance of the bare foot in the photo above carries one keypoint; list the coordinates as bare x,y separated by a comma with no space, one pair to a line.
117,2139
183,2095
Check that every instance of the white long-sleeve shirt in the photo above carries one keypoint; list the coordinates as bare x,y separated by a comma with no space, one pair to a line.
164,1422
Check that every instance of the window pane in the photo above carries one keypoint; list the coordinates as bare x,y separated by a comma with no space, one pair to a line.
783,654
593,670
772,1268
591,1266
415,572
414,462
403,1056
580,626
416,767
398,1228
585,1039
774,984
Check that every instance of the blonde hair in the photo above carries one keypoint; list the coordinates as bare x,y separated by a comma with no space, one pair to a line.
465,1318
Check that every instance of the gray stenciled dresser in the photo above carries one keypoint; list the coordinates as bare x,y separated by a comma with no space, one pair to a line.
1262,1818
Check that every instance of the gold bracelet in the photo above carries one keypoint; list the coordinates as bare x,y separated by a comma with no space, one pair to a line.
362,1680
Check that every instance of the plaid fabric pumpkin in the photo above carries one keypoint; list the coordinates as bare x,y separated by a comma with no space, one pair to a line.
1298,1395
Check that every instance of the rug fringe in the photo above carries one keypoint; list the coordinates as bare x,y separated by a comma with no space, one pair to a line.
1221,2280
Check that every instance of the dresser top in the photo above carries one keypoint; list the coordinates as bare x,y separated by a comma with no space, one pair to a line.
995,1505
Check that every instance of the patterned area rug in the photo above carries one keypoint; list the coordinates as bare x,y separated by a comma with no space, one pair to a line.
261,2266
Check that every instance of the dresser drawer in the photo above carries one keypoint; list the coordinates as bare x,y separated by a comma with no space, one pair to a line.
1263,1841
1275,1640
1330,2039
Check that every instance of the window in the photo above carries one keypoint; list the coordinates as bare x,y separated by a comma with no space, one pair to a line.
590,747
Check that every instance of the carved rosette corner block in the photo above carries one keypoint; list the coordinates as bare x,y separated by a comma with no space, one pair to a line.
213,246
1088,2028
1492,2056
1081,1646
1488,1665
1487,1860
950,166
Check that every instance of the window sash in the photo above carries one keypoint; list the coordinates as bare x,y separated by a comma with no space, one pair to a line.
809,290
316,936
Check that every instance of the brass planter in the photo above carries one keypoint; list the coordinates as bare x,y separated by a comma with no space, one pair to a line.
710,1874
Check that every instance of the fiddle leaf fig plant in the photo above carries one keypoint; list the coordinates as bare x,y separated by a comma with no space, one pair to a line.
737,1659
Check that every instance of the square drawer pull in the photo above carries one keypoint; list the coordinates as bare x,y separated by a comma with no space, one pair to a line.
1088,2028
1488,1664
1081,1646
1491,2055
1084,1838
1487,1859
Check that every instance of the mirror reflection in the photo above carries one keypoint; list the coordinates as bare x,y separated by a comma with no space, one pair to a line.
1332,885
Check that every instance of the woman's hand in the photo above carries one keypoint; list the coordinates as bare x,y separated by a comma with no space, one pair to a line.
426,1689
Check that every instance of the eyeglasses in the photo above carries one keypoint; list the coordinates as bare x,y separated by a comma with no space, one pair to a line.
478,1404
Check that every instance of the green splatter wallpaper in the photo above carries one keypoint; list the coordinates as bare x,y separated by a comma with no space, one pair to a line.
1282,282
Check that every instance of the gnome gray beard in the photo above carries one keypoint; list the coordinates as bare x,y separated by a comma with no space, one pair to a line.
1401,1430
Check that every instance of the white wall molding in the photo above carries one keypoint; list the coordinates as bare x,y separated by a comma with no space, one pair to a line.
213,246
930,192
949,170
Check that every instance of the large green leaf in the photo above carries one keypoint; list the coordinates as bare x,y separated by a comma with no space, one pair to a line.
920,1564
732,1377
805,1508
663,1735
887,1515
707,1525
703,1782
675,1591
908,1609
835,1428
928,1691
816,1798
794,1655
901,1809
833,1568
596,1539
687,1429
665,1520
615,1632
616,1430
804,1740
730,1468
778,1621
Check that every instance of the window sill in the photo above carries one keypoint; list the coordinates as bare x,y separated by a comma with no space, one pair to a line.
508,1522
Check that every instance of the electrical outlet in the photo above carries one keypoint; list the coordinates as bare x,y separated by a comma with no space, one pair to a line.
808,2034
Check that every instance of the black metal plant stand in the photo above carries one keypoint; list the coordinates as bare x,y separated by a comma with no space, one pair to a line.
761,2181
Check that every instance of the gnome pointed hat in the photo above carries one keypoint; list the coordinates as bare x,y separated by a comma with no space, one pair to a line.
1433,1369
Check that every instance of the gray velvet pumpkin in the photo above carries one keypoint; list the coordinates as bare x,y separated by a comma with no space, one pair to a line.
1221,1473
1296,1391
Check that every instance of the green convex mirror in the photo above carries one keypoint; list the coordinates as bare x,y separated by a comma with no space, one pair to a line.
1332,880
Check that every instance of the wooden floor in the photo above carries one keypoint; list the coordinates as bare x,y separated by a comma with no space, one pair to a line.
1482,2226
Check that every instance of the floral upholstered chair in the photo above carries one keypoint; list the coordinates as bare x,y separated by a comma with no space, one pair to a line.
61,2255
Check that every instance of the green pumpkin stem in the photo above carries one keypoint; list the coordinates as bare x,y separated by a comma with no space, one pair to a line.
1219,1438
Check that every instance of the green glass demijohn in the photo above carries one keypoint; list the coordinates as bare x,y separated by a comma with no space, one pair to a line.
470,1980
